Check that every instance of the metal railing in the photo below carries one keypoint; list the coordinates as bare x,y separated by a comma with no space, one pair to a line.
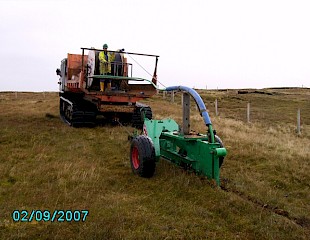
118,69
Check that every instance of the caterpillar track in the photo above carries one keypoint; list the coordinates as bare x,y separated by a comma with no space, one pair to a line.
139,113
76,115
81,114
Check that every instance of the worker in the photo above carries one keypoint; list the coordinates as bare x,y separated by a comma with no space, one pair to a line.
117,66
105,59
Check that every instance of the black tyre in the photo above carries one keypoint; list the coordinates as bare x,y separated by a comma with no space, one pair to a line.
142,156
217,139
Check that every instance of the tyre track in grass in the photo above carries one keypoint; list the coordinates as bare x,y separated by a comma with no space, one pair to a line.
303,222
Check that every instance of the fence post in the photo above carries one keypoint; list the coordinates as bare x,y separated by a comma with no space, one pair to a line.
186,113
216,111
16,95
44,94
164,94
172,96
298,122
248,112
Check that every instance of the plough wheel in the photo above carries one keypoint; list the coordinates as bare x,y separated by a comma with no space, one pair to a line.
142,156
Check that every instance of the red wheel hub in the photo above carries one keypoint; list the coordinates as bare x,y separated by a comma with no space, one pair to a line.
135,158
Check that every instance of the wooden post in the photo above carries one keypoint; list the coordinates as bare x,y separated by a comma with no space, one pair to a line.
16,95
216,111
164,94
172,96
44,94
248,112
298,122
186,113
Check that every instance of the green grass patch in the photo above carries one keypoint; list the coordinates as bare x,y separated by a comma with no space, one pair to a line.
46,165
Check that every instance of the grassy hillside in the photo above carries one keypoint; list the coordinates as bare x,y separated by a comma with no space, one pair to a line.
265,192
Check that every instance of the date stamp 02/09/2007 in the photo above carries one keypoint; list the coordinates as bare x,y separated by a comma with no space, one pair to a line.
52,216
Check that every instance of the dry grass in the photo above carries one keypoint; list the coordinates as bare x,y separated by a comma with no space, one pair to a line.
48,165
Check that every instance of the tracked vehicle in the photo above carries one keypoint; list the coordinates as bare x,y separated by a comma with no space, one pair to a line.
82,102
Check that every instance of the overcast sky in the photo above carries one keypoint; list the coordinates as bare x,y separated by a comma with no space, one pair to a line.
218,44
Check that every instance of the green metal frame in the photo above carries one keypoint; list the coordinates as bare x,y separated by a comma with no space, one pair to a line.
193,152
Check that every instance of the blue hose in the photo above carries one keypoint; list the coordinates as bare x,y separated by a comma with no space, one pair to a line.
198,100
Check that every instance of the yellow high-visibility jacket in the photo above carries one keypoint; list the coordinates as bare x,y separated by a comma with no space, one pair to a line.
105,65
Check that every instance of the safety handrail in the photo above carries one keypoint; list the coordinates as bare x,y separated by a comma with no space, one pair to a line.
124,78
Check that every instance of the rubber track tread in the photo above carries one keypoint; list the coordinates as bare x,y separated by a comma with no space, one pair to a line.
137,117
79,117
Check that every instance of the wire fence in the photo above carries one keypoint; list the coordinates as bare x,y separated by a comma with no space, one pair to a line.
272,112
26,95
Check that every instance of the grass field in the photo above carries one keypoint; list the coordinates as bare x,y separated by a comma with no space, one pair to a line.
265,179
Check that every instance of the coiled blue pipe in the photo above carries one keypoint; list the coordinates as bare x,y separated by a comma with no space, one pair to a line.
198,100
